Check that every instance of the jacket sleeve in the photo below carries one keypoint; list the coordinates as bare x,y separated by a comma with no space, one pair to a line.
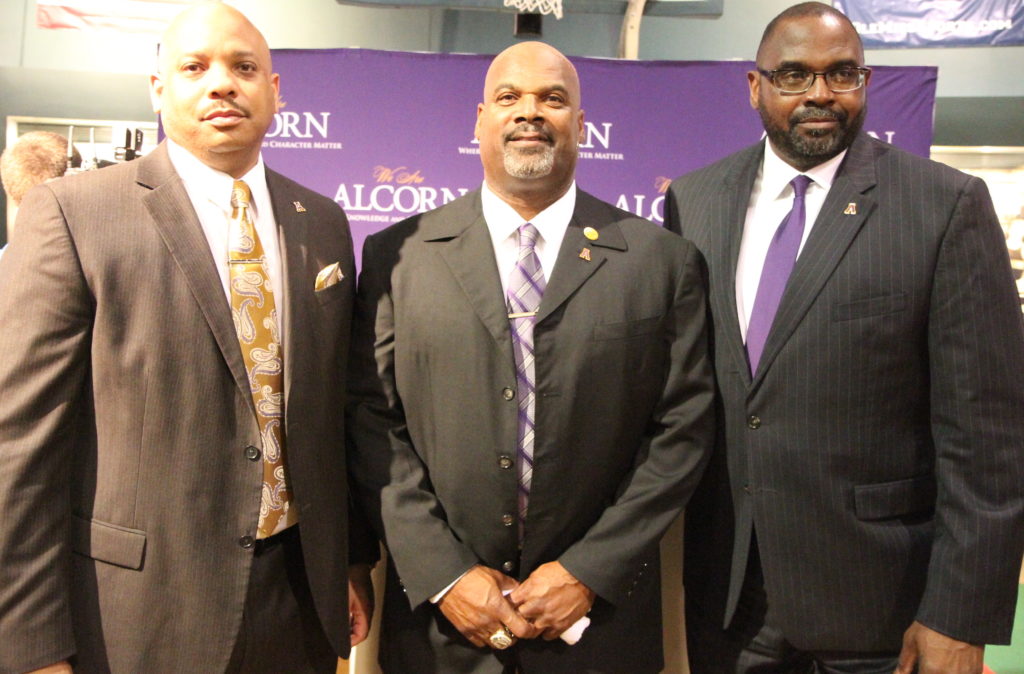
976,361
47,313
391,480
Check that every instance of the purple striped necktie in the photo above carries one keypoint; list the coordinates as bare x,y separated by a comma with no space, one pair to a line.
778,264
525,289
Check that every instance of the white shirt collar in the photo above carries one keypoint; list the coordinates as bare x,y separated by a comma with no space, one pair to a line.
208,183
503,220
776,174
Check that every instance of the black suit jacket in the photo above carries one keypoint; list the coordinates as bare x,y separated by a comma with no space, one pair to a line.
623,425
126,413
878,450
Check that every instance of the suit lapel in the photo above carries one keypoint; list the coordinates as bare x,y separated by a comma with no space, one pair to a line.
579,257
726,235
834,230
292,237
174,218
465,246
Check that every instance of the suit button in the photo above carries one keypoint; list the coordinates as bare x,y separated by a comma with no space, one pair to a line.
508,520
754,422
507,393
505,462
252,453
507,567
247,542
748,489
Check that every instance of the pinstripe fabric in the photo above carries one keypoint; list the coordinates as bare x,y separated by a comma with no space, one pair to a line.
883,470
125,418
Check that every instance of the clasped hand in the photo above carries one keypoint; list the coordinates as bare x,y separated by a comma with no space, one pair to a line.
545,604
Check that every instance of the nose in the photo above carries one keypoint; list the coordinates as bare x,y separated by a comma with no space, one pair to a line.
221,82
528,110
819,91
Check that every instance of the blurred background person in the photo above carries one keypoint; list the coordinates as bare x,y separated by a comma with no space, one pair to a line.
34,158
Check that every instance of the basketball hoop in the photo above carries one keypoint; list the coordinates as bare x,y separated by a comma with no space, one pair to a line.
537,6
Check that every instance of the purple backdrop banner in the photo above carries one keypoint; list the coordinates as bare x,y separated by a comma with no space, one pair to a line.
390,134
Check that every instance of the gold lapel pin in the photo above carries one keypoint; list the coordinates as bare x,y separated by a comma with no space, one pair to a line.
585,254
851,209
299,208
591,234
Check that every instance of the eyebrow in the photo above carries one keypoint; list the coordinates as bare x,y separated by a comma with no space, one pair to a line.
800,65
508,85
202,53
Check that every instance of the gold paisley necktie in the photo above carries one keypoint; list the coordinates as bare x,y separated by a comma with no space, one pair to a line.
255,318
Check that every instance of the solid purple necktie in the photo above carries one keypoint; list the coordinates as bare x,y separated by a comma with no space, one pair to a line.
778,264
525,289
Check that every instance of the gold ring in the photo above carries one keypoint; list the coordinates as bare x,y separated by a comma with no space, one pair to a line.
502,639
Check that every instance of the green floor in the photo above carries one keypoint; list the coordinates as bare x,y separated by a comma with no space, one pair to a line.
1010,659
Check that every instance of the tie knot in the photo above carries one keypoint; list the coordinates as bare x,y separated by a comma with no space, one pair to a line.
240,195
528,236
800,185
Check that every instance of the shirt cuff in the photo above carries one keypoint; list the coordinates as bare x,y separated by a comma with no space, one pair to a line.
440,595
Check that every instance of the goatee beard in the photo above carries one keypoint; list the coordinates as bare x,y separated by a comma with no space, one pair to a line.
809,150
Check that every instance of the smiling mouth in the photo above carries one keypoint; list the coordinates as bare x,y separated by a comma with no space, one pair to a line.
530,140
528,135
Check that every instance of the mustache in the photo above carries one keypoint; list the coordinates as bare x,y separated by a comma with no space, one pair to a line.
225,104
523,129
819,115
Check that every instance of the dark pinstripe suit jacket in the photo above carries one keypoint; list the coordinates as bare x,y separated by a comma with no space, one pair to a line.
125,414
878,450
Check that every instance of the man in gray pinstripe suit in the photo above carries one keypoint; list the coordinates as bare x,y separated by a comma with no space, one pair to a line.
131,453
864,511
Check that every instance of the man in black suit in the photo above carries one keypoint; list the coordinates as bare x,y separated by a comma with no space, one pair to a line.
611,407
864,510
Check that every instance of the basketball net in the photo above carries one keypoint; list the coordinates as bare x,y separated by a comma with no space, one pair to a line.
537,6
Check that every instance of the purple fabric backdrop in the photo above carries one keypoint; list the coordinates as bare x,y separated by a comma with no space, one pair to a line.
390,134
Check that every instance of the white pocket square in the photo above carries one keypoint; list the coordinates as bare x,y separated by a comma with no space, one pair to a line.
328,276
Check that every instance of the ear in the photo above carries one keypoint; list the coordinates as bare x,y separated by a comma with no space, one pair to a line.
476,128
156,91
582,127
754,81
275,81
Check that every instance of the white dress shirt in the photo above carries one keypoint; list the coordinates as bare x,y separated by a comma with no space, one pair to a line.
771,199
503,223
210,193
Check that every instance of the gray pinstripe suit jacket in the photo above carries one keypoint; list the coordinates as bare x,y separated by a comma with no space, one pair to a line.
125,414
878,451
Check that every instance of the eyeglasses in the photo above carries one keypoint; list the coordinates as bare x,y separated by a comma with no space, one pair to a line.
839,81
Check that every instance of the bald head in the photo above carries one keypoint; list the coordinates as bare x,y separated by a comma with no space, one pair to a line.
215,91
203,16
535,57
805,10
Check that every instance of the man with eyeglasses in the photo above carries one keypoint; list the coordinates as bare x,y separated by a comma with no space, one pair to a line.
864,510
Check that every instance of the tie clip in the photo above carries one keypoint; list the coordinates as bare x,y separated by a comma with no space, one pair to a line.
523,314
